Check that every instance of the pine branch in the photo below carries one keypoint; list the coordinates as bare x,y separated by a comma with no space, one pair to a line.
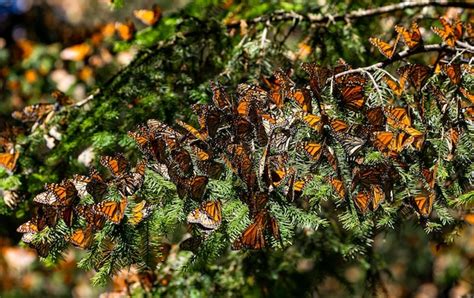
282,16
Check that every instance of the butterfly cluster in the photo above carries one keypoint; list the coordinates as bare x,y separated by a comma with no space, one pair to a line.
36,114
274,137
71,199
451,33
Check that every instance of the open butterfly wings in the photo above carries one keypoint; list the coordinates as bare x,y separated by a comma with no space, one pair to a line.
112,210
208,216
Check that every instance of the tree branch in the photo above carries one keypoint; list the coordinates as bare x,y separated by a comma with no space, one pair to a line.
397,57
317,18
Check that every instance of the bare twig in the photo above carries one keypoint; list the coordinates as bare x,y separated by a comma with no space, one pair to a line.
282,16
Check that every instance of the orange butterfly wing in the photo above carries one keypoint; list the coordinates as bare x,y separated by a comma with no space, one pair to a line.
81,238
362,201
8,160
412,37
114,211
386,49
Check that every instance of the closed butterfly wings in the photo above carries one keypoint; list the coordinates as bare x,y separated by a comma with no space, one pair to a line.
412,36
8,160
256,234
451,31
140,212
129,183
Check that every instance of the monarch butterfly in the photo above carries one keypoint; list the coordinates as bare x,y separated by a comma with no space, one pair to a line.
42,247
96,220
160,128
140,212
242,128
351,144
376,117
57,194
338,186
93,184
430,176
8,160
338,125
451,32
208,215
126,31
243,107
253,236
362,201
209,119
417,74
452,139
391,144
81,238
302,98
130,183
33,113
378,196
411,37
220,98
281,139
96,187
28,227
277,94
312,150
148,17
397,87
341,66
398,118
296,187
255,95
331,158
150,144
278,175
211,168
318,75
76,52
424,202
141,137
386,49
182,159
383,174
116,164
114,211
193,131
46,216
192,243
453,71
193,187
351,96
315,122
260,130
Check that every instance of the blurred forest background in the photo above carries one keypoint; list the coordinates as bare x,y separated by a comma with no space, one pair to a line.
75,46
